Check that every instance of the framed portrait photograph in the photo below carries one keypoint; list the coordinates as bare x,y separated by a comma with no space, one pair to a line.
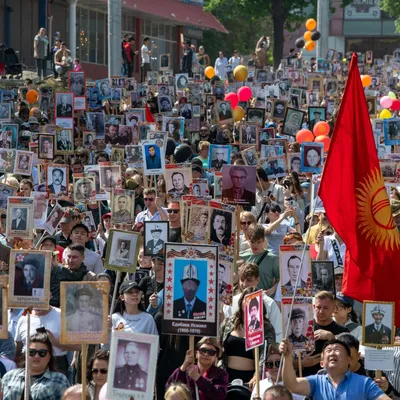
223,111
131,372
164,62
104,88
4,307
279,109
315,115
250,156
200,187
192,290
256,116
265,135
152,78
198,222
94,98
110,175
116,96
77,83
134,156
294,162
181,81
153,157
293,121
29,281
378,323
312,98
84,312
84,188
23,162
312,155
40,206
254,320
46,147
164,104
53,219
5,112
8,136
6,191
20,213
88,139
291,266
64,141
178,180
331,87
185,110
323,277
271,150
316,84
248,134
122,206
225,279
122,250
217,185
221,226
95,122
155,236
301,333
371,103
57,179
219,155
239,184
79,103
391,131
117,154
64,110
88,221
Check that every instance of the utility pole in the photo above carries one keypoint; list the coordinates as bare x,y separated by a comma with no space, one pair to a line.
72,27
322,27
114,38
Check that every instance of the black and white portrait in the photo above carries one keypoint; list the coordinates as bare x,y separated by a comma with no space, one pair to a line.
279,109
57,179
95,122
250,156
371,103
134,155
64,105
76,82
315,114
164,103
84,189
123,207
54,219
220,227
116,95
19,217
88,139
5,111
46,147
256,115
110,176
122,250
181,81
248,134
186,110
155,235
23,162
104,88
224,111
261,75
378,327
178,181
322,276
64,141
293,121
164,62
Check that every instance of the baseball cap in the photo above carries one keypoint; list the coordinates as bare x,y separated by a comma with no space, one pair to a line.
344,299
126,286
106,215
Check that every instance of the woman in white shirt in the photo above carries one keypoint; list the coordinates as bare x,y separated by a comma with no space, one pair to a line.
132,317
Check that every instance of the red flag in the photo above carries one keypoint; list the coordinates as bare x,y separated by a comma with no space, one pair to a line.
356,202
149,115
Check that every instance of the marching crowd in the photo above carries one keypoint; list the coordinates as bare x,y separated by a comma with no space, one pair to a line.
284,211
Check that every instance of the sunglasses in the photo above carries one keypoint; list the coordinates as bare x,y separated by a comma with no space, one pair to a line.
270,364
148,199
248,223
170,211
42,353
209,352
101,370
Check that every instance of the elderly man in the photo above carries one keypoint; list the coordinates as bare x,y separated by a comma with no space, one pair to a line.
237,192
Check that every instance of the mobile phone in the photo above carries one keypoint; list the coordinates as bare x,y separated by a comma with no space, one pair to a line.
292,203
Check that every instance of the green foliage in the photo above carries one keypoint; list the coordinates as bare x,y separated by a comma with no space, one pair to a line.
392,7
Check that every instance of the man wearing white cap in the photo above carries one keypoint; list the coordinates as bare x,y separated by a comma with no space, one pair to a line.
189,306
377,332
155,245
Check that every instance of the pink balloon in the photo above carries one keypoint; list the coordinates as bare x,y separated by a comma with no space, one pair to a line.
245,93
233,98
386,102
395,105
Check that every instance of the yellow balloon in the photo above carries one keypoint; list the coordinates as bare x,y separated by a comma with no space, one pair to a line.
310,45
238,113
385,114
311,24
240,73
307,36
209,72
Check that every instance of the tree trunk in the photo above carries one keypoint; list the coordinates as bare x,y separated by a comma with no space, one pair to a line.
278,18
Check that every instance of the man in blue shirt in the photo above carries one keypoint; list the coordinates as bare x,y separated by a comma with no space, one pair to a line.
338,384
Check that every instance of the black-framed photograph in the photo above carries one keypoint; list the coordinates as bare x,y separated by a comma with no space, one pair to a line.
371,103
223,111
23,162
219,155
261,75
323,277
164,104
191,292
155,236
279,109
164,62
122,250
131,372
54,218
256,116
84,312
178,180
293,121
64,110
248,134
46,147
84,188
378,323
64,141
29,281
312,97
57,179
239,184
315,115
134,156
123,206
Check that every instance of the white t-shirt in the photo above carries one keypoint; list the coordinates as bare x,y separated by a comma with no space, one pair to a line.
266,383
145,55
13,316
328,247
92,260
234,61
139,323
50,321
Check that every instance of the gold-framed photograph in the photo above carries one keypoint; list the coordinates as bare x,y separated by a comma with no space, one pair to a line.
84,312
123,206
29,281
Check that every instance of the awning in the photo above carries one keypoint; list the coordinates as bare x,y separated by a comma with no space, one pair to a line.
180,13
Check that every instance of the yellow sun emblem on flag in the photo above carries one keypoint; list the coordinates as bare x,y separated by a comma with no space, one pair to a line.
374,214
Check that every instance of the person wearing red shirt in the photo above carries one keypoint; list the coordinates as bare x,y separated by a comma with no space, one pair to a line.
130,55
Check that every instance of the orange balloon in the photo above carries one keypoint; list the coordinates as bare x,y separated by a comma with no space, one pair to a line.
311,24
366,80
209,72
307,36
321,128
238,113
310,45
32,96
304,135
325,140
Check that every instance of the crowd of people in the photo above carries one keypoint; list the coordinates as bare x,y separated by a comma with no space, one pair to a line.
221,175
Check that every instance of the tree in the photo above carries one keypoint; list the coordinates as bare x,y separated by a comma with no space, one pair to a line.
392,7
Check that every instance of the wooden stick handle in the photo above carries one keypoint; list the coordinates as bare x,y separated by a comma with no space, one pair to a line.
300,366
27,366
83,369
257,368
191,343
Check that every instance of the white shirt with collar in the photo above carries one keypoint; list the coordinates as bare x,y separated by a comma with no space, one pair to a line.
145,216
328,247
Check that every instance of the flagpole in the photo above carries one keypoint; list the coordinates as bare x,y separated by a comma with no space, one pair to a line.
296,285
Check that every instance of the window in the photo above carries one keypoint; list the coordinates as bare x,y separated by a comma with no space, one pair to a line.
101,38
83,30
92,36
